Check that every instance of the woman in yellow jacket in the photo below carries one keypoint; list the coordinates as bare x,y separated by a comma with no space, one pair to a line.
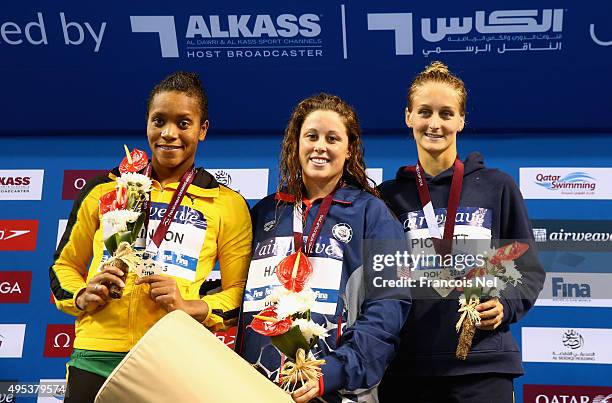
211,223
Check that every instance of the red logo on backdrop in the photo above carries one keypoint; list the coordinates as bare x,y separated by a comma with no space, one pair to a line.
75,180
58,340
228,337
566,394
15,286
18,234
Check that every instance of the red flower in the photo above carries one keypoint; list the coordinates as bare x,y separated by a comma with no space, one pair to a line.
139,161
509,252
294,271
270,327
114,200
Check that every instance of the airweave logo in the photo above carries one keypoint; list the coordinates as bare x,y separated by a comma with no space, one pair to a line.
573,235
235,36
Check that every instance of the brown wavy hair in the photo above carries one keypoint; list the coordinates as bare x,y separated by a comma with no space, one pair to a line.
290,171
439,72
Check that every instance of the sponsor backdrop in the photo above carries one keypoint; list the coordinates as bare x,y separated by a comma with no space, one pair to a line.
535,111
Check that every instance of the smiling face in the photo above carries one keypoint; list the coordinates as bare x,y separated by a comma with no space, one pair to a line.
174,128
323,151
435,120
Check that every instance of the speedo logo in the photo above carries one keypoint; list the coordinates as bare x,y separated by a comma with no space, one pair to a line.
248,26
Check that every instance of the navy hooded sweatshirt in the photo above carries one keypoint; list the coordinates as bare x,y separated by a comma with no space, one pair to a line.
491,206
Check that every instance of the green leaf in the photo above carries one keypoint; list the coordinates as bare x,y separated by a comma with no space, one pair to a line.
472,291
137,226
124,236
289,342
111,244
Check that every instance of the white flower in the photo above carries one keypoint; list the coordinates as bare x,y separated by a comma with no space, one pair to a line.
116,221
135,182
276,294
310,329
495,292
295,302
511,272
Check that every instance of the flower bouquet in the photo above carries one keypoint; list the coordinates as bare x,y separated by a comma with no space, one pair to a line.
287,321
499,269
123,215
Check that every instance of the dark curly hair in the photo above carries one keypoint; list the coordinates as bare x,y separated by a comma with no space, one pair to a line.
290,175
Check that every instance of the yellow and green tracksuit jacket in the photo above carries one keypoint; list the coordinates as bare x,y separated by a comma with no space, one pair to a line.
211,224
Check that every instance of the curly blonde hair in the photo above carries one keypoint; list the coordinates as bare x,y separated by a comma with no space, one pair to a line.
439,72
290,170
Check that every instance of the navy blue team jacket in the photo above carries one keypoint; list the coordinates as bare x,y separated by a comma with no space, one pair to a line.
364,330
491,206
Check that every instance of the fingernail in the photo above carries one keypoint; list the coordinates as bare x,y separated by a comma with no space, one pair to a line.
120,273
121,284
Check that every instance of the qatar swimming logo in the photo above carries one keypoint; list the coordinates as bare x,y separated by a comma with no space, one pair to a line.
573,182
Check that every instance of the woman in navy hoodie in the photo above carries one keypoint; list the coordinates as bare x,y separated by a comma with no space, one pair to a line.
485,204
321,163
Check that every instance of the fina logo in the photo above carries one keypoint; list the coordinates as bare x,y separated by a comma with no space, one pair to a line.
574,180
223,178
497,22
560,289
572,339
228,26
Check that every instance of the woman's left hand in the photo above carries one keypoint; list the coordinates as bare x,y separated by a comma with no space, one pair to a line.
306,392
164,291
491,314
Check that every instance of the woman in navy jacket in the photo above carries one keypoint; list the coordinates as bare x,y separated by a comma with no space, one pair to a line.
322,155
485,204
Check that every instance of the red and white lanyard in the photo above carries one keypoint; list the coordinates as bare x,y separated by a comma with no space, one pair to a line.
453,201
164,224
315,229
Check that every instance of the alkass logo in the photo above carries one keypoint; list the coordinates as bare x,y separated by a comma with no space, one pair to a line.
529,27
15,286
221,31
58,340
75,180
18,234
566,394
573,180
21,184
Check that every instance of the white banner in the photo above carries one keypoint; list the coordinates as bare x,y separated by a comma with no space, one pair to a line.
11,340
252,184
21,184
577,289
566,183
376,174
567,345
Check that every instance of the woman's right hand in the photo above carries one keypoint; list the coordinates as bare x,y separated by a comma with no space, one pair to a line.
96,294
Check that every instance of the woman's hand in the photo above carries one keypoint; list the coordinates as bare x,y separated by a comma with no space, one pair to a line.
165,292
491,314
306,392
96,295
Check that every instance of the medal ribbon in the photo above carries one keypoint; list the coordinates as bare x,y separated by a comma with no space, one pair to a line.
164,225
317,225
451,211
